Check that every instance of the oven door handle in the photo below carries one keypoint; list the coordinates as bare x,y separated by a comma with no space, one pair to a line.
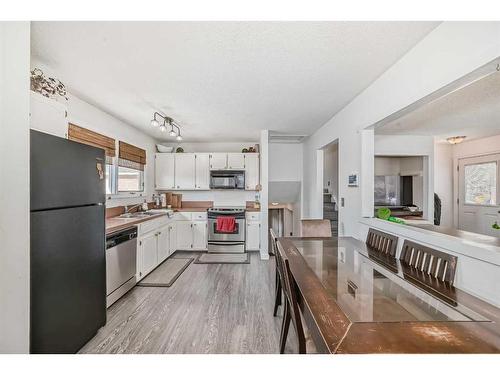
225,243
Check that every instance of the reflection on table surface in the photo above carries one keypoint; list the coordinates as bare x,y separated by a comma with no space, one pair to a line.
369,291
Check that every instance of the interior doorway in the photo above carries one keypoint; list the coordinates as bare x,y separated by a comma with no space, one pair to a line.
331,185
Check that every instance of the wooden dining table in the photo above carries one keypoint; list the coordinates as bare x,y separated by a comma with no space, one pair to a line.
354,301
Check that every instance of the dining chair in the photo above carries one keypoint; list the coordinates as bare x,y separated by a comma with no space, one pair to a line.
291,310
428,262
278,282
316,228
382,242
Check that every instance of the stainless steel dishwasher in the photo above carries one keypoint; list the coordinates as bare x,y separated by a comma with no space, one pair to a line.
121,255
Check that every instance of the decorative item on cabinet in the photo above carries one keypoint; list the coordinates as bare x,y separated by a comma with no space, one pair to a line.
47,86
179,150
245,150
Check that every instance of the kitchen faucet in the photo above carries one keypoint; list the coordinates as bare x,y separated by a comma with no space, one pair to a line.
127,209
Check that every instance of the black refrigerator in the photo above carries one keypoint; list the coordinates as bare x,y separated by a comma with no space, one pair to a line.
67,256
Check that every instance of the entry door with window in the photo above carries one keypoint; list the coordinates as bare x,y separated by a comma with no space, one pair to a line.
479,194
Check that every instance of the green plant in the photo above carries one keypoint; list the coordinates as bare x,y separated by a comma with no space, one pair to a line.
383,213
495,226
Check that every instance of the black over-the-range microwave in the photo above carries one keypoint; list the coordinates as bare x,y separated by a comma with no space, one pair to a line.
227,180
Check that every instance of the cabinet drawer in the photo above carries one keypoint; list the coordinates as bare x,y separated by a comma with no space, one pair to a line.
150,225
200,216
183,216
253,216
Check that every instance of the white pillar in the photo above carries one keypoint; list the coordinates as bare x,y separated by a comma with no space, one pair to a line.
367,177
14,187
264,193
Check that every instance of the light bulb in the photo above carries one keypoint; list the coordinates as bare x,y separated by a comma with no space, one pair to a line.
154,123
163,128
179,137
172,133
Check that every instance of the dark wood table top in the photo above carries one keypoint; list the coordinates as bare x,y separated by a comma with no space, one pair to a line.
353,301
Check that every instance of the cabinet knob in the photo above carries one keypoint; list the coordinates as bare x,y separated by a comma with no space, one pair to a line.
177,186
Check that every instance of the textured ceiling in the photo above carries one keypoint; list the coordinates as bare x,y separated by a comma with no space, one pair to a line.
223,81
473,111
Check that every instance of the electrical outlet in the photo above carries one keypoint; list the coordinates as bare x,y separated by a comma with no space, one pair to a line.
342,202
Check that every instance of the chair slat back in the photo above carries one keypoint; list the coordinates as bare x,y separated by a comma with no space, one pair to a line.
273,241
434,263
316,228
382,242
289,290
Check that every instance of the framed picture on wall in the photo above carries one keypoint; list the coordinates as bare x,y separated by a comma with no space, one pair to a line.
353,180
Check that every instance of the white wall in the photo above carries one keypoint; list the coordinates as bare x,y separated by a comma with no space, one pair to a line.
89,116
450,51
285,162
443,181
210,146
14,187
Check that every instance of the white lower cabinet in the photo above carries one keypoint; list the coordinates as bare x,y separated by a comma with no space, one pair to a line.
155,243
200,233
192,231
184,235
148,254
253,231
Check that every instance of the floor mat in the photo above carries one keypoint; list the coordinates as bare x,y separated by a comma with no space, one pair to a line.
166,274
212,258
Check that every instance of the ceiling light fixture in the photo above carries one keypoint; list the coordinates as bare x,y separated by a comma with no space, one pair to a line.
456,140
163,127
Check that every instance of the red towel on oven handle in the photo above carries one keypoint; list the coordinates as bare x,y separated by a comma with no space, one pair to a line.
225,224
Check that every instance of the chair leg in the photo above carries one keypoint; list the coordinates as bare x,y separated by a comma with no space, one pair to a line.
277,300
284,327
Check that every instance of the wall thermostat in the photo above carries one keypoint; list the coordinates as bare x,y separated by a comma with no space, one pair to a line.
353,180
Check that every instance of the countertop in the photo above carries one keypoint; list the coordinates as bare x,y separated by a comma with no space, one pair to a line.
116,223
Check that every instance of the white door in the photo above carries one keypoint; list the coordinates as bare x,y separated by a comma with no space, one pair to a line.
48,115
148,254
251,171
163,243
165,171
236,161
184,233
185,171
479,194
218,161
253,235
172,239
200,235
202,171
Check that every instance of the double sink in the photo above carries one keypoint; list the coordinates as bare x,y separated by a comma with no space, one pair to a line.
143,214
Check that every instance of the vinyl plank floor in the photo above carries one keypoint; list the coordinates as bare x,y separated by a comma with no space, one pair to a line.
211,308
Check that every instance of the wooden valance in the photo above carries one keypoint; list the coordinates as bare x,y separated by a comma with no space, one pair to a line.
132,153
91,138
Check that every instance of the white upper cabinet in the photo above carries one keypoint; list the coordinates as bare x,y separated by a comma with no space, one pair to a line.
218,161
48,115
165,171
191,171
202,173
185,171
251,171
236,161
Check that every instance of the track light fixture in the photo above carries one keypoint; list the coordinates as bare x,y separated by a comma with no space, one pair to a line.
167,121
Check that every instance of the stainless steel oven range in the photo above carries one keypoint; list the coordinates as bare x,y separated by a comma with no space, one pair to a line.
224,242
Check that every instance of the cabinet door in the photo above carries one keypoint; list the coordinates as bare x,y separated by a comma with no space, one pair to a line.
218,161
164,171
163,243
48,115
185,171
184,233
202,173
253,236
251,171
148,254
200,235
236,161
172,239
